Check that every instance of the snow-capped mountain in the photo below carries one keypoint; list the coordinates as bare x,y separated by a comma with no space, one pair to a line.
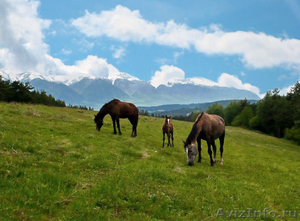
25,76
94,92
123,76
64,79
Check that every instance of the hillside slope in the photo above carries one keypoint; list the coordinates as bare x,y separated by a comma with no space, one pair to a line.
55,165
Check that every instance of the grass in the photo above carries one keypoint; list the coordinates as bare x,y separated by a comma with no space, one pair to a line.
54,165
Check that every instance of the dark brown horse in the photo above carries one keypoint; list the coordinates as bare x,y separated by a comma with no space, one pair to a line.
168,129
118,109
206,127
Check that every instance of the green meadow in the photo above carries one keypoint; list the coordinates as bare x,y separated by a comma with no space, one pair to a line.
54,165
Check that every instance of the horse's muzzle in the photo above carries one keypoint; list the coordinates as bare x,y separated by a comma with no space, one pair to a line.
191,163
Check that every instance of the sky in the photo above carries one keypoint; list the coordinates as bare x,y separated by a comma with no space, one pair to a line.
250,44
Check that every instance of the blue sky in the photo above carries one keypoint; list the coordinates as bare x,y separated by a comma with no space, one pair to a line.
249,44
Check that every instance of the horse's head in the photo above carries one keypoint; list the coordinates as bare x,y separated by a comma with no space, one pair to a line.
191,152
99,122
167,119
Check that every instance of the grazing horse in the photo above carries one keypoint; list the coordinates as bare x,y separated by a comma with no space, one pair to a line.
168,129
207,127
118,109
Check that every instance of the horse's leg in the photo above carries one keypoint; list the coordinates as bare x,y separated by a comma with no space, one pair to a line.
136,120
172,139
163,139
210,152
222,138
134,129
133,121
118,124
114,124
215,150
199,148
135,124
168,138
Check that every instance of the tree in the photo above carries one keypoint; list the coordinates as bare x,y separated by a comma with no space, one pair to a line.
243,118
5,92
294,97
17,91
20,92
274,113
216,109
232,110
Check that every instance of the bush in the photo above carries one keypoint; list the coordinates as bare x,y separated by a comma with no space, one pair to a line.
293,134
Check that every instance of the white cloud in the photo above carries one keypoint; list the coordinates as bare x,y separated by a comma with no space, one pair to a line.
118,52
21,37
22,46
169,75
227,80
166,74
66,51
84,45
257,50
95,66
286,90
120,23
176,55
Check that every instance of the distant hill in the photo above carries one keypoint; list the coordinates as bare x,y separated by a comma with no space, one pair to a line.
182,109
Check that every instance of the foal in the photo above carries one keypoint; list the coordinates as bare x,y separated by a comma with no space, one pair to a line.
168,129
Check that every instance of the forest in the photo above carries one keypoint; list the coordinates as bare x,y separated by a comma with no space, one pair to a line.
17,91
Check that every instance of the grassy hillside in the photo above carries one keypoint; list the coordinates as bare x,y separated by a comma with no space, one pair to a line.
55,165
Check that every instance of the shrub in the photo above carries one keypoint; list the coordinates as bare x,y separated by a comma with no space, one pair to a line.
293,134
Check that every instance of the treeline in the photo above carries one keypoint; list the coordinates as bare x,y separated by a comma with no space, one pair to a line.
24,93
80,107
276,115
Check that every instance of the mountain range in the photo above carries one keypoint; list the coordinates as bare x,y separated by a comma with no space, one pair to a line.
94,92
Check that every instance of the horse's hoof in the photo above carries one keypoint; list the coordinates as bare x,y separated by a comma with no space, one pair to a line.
221,163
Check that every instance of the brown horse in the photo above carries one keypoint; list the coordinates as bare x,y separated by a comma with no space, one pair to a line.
118,109
168,129
206,127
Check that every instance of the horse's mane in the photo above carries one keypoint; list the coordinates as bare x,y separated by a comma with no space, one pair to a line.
103,108
199,117
194,130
